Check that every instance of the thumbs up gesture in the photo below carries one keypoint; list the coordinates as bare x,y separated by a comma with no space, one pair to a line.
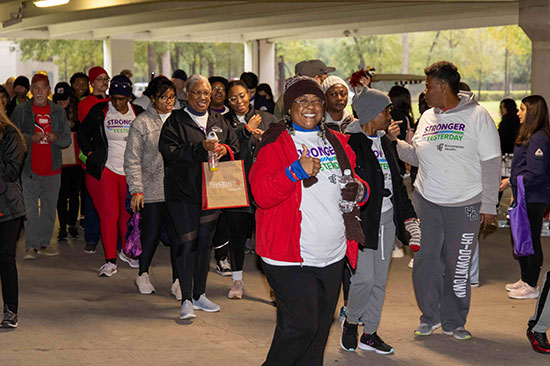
310,165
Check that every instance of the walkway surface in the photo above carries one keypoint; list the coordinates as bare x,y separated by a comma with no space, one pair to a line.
69,316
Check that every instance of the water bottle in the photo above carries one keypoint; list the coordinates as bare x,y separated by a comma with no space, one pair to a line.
346,206
212,155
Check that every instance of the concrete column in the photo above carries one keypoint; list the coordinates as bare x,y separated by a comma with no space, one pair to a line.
251,56
118,54
534,19
266,62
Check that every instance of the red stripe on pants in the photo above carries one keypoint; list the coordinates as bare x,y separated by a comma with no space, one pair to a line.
109,196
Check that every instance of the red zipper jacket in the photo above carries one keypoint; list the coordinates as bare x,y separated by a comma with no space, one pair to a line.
278,217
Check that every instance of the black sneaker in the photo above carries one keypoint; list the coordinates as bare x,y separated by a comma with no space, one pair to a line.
372,342
62,236
10,319
73,232
223,267
90,248
348,342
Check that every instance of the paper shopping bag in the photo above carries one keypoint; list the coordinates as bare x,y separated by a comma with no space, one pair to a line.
226,187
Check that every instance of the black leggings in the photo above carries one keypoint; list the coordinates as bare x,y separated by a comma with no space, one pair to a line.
233,226
154,219
195,229
71,178
531,265
9,232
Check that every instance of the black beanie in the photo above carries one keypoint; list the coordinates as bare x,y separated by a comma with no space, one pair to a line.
298,86
23,81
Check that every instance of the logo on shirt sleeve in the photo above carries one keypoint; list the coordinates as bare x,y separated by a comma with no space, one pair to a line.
539,153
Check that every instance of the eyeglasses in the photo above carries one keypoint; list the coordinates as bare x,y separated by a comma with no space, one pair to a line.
218,88
302,102
103,79
234,98
166,98
199,93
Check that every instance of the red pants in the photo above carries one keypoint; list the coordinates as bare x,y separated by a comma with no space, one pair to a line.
109,196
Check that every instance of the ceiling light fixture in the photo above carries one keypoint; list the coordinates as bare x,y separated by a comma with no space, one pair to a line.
49,3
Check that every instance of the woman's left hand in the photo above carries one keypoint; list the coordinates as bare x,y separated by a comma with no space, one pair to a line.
504,184
222,150
137,202
257,133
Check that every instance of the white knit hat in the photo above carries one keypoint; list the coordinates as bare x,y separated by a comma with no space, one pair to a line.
331,81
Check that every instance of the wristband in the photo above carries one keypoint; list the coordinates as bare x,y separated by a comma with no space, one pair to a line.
137,194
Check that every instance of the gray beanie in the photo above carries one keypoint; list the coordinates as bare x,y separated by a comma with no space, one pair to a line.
368,103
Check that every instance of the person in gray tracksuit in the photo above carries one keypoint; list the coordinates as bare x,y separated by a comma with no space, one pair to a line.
457,150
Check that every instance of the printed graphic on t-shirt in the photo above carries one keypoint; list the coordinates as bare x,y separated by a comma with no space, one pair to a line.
43,125
118,125
444,131
326,155
383,162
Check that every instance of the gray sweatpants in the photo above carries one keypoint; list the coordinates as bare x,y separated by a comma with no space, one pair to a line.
40,220
540,321
368,283
441,272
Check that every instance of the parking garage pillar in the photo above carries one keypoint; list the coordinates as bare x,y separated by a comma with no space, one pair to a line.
118,54
259,58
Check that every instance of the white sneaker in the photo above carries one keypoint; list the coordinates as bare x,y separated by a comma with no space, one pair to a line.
204,304
236,291
411,263
397,253
525,292
514,286
186,310
134,263
175,289
107,270
144,285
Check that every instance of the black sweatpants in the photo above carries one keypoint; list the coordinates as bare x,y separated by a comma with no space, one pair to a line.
306,299
195,229
233,227
9,232
154,218
71,179
531,265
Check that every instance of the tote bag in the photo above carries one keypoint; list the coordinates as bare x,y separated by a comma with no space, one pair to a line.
519,223
226,187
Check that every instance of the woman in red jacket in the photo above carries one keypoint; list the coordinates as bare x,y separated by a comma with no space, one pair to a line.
301,233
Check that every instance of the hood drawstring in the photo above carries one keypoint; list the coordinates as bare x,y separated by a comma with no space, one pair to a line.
381,240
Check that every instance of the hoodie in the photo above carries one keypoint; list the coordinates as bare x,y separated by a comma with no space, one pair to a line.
452,147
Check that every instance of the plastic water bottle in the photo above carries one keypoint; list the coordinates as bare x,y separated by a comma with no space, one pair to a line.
346,206
212,155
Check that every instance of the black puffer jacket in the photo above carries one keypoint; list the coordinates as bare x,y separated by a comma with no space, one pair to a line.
12,155
181,147
92,138
368,168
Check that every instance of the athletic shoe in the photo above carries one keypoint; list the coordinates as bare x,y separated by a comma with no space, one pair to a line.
342,314
73,232
205,305
538,341
48,251
186,310
10,319
524,292
175,289
514,286
223,267
398,253
459,333
62,236
107,270
134,263
411,263
425,329
348,342
373,342
474,284
236,291
90,248
144,285
30,253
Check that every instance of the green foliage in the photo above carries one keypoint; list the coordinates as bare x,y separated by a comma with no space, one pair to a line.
69,56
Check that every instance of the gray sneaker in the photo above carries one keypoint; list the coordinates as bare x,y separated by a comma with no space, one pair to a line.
205,305
10,319
30,253
425,329
48,251
186,311
459,333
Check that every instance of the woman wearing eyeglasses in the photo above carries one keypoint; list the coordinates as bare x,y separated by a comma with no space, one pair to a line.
302,235
185,140
145,177
235,225
102,138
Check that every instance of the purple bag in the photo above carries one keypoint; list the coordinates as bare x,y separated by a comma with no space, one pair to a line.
519,223
133,236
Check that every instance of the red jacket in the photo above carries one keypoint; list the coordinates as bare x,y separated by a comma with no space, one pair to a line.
278,217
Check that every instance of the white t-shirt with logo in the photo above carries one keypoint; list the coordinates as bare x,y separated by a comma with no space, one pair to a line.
201,121
323,234
116,130
450,147
379,153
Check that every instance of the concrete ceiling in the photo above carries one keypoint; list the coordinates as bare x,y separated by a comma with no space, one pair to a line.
238,21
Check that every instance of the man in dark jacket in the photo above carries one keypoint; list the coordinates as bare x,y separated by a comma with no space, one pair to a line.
21,88
388,213
44,125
